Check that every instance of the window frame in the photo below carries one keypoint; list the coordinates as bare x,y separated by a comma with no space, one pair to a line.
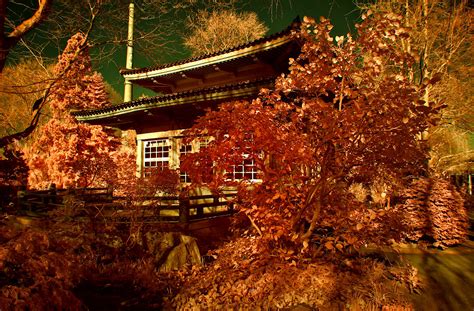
183,176
153,160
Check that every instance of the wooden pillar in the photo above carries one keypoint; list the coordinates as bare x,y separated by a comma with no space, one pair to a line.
20,196
184,209
469,183
51,196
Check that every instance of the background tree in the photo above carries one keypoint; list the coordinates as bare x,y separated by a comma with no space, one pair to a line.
337,118
68,153
442,35
20,86
41,35
221,29
41,102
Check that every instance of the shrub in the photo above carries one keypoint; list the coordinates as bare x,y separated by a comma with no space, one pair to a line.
433,208
244,276
37,271
359,191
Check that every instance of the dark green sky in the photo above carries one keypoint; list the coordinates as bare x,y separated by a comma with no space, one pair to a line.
342,13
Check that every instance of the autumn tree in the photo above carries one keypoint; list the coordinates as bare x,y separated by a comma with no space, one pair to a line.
221,29
338,117
37,30
441,34
20,86
66,152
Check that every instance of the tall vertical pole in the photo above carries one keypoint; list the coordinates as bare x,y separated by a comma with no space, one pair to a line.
128,90
469,183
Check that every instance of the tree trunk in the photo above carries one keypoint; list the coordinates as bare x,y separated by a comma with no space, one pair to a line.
4,51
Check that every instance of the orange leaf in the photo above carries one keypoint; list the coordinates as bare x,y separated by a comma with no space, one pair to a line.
305,244
329,245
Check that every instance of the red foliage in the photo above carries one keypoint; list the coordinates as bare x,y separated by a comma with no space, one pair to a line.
433,208
161,180
77,87
345,113
33,266
13,170
66,152
245,276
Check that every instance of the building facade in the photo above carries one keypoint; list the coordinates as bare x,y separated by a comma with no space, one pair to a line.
186,89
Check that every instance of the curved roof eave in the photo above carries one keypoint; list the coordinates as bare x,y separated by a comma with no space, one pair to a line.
250,48
233,91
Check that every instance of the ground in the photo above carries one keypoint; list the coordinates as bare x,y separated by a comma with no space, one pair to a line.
447,277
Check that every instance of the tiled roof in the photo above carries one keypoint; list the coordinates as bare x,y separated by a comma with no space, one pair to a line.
236,90
274,36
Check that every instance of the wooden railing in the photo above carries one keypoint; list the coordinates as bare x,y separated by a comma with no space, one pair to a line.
46,199
179,208
185,209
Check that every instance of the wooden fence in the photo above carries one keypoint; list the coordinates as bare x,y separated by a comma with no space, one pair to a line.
46,199
179,208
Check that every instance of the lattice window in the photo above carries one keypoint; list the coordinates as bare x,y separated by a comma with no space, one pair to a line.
204,142
246,170
183,150
156,153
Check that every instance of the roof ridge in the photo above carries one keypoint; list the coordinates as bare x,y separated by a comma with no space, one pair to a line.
294,24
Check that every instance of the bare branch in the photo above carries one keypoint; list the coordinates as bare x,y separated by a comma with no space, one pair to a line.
40,14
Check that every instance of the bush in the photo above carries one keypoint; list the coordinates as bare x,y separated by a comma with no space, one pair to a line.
245,276
433,208
36,271
359,191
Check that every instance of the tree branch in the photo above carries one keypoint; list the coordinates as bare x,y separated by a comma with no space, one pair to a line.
30,23
6,140
255,225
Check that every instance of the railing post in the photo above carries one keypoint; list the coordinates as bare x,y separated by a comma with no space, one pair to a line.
52,193
20,196
184,209
110,193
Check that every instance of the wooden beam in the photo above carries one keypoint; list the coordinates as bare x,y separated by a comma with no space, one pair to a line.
161,82
193,76
189,75
222,68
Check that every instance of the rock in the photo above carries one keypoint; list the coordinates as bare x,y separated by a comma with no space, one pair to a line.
173,250
185,253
